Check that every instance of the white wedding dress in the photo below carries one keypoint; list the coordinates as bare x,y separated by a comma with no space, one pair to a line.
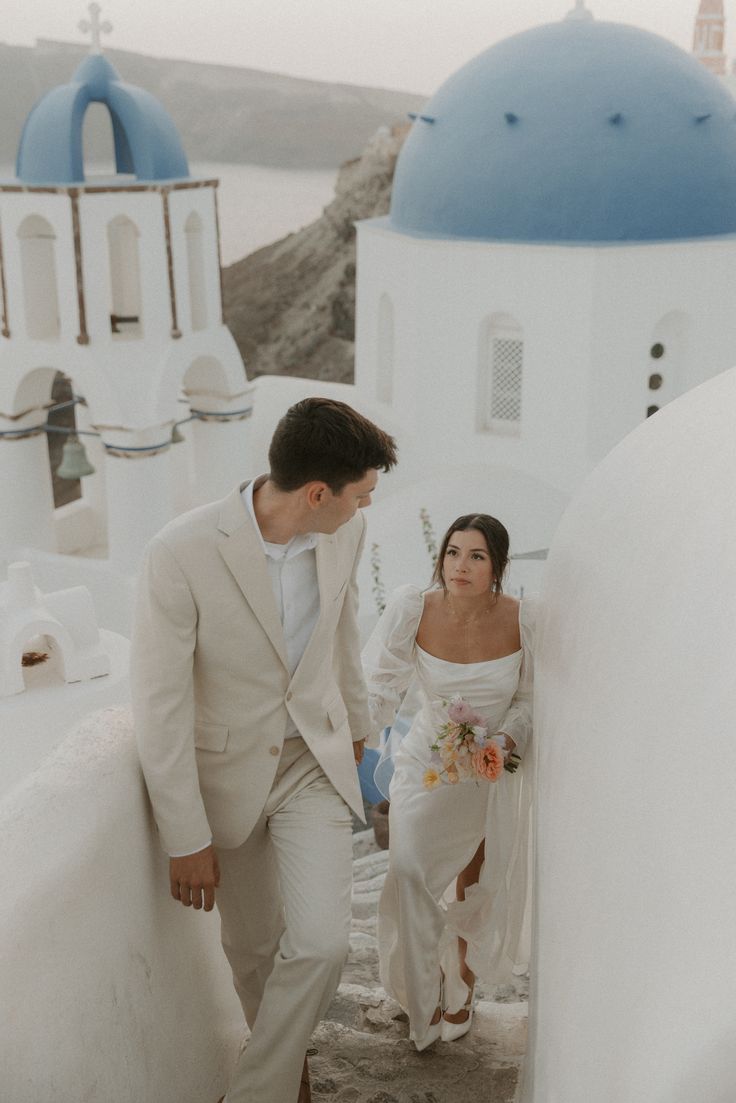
434,833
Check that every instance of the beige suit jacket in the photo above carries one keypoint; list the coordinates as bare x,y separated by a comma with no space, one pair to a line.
211,685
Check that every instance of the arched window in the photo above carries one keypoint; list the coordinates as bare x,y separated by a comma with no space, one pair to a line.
501,375
385,350
38,271
666,360
195,265
125,278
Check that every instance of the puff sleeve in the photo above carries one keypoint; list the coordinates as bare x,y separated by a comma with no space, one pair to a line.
517,723
388,656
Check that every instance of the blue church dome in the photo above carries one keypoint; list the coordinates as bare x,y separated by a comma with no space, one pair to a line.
146,141
578,131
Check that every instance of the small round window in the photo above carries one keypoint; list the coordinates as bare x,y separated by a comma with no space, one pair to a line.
656,351
651,410
655,381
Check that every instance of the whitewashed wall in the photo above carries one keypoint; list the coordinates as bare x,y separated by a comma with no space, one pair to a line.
635,955
589,316
110,991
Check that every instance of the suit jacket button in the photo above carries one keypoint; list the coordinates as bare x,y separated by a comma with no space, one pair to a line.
289,695
275,750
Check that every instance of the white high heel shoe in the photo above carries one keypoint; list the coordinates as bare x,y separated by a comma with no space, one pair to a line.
434,1030
452,1031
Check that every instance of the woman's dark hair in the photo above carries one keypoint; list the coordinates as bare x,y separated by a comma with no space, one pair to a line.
321,439
497,542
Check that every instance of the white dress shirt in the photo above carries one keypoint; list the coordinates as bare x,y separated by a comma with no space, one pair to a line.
292,569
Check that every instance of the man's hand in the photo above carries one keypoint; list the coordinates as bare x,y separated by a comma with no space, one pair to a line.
358,748
194,878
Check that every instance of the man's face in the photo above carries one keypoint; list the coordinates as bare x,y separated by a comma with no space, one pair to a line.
335,510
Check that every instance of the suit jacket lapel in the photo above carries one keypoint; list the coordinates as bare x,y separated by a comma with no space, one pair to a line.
242,550
326,570
326,556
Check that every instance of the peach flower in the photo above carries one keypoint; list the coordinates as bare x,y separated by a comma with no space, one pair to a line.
464,768
431,779
488,762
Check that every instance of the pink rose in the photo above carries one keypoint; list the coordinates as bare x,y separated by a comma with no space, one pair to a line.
460,711
488,762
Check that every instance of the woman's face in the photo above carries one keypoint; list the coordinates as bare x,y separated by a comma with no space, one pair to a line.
467,565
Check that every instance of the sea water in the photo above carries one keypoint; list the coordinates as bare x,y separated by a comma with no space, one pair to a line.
257,205
260,205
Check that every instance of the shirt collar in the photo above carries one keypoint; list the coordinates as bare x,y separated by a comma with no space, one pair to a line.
298,544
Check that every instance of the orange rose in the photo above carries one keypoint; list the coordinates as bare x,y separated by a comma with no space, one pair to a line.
488,762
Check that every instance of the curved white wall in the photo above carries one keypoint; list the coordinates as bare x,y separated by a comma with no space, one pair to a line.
111,991
633,997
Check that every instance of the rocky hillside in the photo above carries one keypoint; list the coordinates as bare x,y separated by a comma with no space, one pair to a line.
223,113
291,305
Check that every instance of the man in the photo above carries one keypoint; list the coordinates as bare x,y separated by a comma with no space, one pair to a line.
251,713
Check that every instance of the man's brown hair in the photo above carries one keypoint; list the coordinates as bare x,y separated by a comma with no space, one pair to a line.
323,440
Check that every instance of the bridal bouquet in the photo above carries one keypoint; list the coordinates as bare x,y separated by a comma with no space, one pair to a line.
465,749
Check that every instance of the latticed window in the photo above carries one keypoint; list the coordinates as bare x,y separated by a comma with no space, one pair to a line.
507,358
500,372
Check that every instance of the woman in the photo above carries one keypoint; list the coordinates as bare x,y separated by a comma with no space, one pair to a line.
463,637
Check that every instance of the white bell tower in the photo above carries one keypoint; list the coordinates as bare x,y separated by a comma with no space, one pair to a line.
116,282
709,37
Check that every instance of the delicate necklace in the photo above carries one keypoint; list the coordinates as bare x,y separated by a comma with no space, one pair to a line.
468,622
472,619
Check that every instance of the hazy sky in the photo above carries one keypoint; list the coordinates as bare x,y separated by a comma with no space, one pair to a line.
410,44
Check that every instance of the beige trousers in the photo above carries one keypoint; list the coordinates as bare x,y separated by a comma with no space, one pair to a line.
284,902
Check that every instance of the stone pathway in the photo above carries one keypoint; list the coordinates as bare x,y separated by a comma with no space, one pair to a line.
361,1052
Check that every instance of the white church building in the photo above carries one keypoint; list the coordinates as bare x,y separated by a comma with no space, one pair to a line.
558,265
116,283
559,261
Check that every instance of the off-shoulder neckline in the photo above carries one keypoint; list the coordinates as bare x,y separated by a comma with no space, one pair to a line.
482,662
449,662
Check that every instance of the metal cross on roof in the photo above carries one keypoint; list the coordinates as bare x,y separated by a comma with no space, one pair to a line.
579,11
95,27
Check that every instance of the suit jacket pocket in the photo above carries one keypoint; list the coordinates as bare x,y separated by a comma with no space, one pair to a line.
337,712
210,737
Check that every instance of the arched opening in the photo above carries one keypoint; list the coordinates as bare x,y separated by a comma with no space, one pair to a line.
125,278
500,375
385,350
195,267
98,142
62,391
665,361
42,662
38,273
205,376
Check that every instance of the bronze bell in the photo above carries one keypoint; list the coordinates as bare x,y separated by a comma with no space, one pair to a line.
74,463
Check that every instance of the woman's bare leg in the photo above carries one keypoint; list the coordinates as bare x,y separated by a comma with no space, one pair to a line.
469,876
